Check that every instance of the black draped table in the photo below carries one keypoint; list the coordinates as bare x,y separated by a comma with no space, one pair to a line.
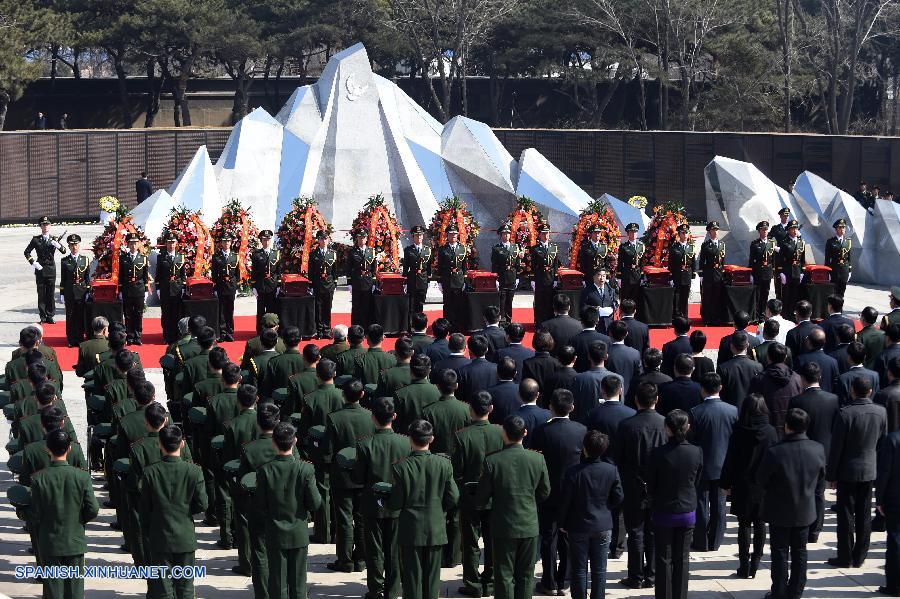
818,296
112,311
655,305
472,312
207,308
392,313
740,298
299,312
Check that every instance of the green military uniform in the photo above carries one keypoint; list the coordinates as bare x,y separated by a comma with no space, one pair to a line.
62,502
257,367
837,258
299,385
342,429
16,372
220,411
254,347
286,493
545,263
371,364
48,352
35,458
333,350
74,285
873,339
131,429
169,374
88,353
411,401
171,492
279,371
420,342
506,261
171,276
473,443
375,456
423,490
322,263
515,479
890,318
393,379
316,408
30,427
134,284
417,261
207,388
447,415
196,369
240,431
346,361
628,268
760,353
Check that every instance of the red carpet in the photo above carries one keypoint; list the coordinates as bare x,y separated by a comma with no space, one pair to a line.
245,328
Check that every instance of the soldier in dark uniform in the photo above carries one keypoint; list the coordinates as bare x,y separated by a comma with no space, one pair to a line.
762,254
592,256
417,269
682,267
712,277
505,263
790,263
837,257
544,262
452,272
134,286
265,276
225,279
45,246
631,253
74,285
361,269
324,280
171,276
864,196
778,233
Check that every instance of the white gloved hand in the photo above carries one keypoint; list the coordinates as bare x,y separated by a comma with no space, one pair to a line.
349,287
671,283
215,294
37,266
57,244
146,296
278,292
849,276
751,279
802,277
404,290
782,278
777,248
496,283
533,286
619,282
555,284
158,295
62,298
254,292
372,289
517,283
701,279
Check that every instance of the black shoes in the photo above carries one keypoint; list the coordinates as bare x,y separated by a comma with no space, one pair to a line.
632,583
340,567
240,571
836,563
469,592
223,544
541,590
889,592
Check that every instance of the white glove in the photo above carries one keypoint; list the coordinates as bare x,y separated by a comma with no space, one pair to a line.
532,286
278,292
215,294
619,282
751,279
803,276
671,283
57,244
62,298
146,296
496,283
372,289
777,248
849,276
349,287
404,290
158,295
253,291
120,296
555,284
517,283
783,279
37,266
701,279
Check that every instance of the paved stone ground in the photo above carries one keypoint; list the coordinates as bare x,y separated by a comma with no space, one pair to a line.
711,573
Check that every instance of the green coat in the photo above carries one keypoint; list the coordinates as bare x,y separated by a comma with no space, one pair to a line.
88,354
220,411
131,428
316,408
49,353
35,458
208,387
393,379
423,491
258,452
873,339
333,350
187,350
286,493
890,318
346,361
62,502
258,365
279,371
375,458
421,341
195,370
342,429
411,401
254,347
144,453
447,415
473,444
516,479
171,492
371,364
241,430
30,428
299,385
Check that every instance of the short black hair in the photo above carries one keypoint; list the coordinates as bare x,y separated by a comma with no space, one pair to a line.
741,320
457,342
739,340
326,369
516,332
893,366
481,402
562,401
491,314
267,416
542,341
58,442
440,328
311,353
611,385
218,358
861,387
628,307
514,427
170,437
418,321
683,364
529,390
155,415
354,391
51,417
835,302
771,328
697,341
27,338
447,381
857,352
869,315
652,359
421,432
598,352
268,338
116,340
37,373
403,348
566,355
231,374
811,372
797,420
478,346
206,338
33,356
383,410
646,395
775,306
44,393
803,309
777,353
711,382
595,444
284,436
246,395
124,360
356,334
506,369
134,377
844,333
291,336
375,334
561,303
816,339
681,325
677,421
196,324
590,316
618,330
420,366
144,393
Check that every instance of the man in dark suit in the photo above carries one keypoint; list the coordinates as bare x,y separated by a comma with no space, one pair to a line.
533,415
417,269
621,359
762,253
478,374
45,246
815,343
835,319
796,337
515,333
738,372
266,267
791,262
544,264
505,392
560,441
452,265
599,293
143,188
588,335
889,396
586,386
857,354
891,349
682,267
564,376
542,364
562,327
837,257
495,334
870,335
858,429
455,361
683,393
439,349
638,333
845,336
681,344
711,425
506,260
741,322
887,502
74,285
822,407
652,360
712,277
628,271
789,474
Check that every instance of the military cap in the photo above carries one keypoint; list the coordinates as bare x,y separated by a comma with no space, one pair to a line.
417,229
684,228
875,187
266,234
226,236
504,228
594,229
839,223
895,293
452,229
632,227
545,228
784,211
793,224
170,236
132,237
73,238
763,224
321,234
270,320
713,224
45,220
863,183
361,232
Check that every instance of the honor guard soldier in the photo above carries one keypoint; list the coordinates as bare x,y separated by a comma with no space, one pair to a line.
45,246
631,253
361,269
712,277
74,285
683,268
592,256
321,271
837,257
791,260
762,255
171,276
894,315
452,272
225,280
779,233
506,258
417,269
134,279
265,277
544,263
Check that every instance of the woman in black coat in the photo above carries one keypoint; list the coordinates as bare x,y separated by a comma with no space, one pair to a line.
750,440
702,364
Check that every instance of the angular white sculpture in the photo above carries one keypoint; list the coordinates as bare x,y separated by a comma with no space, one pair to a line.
152,214
881,254
626,213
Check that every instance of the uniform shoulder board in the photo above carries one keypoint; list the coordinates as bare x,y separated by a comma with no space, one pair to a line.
493,452
363,437
442,455
96,358
535,451
459,430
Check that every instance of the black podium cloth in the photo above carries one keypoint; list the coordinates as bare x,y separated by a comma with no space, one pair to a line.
392,313
655,305
112,311
474,304
818,297
740,298
299,312
207,308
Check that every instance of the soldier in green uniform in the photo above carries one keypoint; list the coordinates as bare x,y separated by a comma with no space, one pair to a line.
420,338
592,256
220,411
342,428
473,444
171,492
631,256
452,259
412,399
212,384
17,369
516,481
417,269
226,278
398,376
45,246
30,427
266,268
303,382
90,350
422,490
196,368
361,268
254,346
256,369
134,287
791,260
323,275
837,257
870,336
49,352
286,494
34,454
338,344
170,277
712,277
240,431
682,267
762,261
346,361
375,455
375,361
506,258
281,368
544,264
894,315
62,503
74,285
779,234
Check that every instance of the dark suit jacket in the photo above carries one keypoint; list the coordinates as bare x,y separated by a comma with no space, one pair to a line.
636,438
540,367
858,428
841,357
452,362
789,475
477,375
496,340
725,347
143,188
680,394
506,400
581,342
517,352
737,373
562,329
711,424
671,349
607,416
830,325
534,417
887,481
828,365
625,361
561,378
796,337
884,358
842,389
822,408
587,391
653,376
638,334
437,351
560,441
672,477
591,296
889,397
589,490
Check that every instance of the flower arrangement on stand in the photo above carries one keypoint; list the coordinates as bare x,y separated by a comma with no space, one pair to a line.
384,232
597,212
236,220
662,230
297,234
109,243
454,210
524,222
109,208
194,239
